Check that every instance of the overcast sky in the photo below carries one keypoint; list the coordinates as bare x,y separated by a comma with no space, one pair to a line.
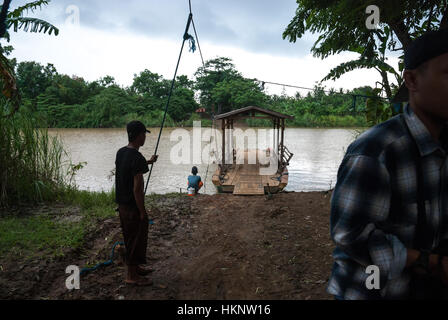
121,38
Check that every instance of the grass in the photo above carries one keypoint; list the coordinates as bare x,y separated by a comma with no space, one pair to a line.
38,235
32,173
28,236
31,166
25,236
94,204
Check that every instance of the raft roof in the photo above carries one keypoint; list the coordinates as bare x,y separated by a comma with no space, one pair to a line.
250,112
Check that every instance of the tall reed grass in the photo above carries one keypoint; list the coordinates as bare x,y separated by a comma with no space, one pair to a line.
31,161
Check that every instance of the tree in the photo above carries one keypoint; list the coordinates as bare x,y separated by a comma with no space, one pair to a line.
108,108
183,82
377,62
16,20
182,104
33,78
68,90
208,76
107,81
341,25
149,83
233,94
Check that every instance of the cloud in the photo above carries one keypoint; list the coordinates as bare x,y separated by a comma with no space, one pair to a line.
122,38
254,25
92,53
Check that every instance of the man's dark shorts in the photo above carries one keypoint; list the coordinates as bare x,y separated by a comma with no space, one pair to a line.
135,234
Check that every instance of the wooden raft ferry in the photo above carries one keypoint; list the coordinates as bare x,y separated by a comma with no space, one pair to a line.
235,174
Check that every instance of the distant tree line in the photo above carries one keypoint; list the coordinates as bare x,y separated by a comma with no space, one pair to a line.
71,102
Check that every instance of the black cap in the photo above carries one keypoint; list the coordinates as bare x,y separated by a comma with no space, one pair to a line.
134,128
428,46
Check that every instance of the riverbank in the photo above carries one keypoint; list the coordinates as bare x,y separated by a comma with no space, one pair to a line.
303,122
206,247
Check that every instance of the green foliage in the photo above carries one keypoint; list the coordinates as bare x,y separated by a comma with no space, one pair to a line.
32,25
341,25
17,21
154,119
31,161
152,84
376,110
56,231
33,78
38,234
107,109
210,75
233,94
195,117
182,104
360,63
72,102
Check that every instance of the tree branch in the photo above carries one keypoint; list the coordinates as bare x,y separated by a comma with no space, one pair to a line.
444,21
401,32
3,16
429,19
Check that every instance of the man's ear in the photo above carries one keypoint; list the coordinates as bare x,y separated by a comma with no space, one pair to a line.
141,137
410,79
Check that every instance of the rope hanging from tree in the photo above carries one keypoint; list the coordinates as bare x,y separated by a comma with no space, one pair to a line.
186,37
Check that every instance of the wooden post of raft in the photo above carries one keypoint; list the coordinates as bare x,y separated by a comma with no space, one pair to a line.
231,139
282,141
243,179
223,142
273,137
278,137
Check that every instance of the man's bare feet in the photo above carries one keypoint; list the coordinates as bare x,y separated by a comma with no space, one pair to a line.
139,281
133,277
142,270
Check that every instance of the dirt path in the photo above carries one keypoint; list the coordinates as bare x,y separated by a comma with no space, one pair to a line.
210,247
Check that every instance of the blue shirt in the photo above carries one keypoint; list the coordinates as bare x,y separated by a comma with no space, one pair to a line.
374,206
193,181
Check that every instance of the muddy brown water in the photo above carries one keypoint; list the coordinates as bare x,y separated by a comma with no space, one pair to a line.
317,155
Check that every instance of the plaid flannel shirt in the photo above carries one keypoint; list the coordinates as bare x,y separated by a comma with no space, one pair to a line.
374,206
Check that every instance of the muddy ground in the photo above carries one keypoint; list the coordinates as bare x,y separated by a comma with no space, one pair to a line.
206,247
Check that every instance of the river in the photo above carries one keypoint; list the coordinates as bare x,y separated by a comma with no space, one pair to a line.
317,156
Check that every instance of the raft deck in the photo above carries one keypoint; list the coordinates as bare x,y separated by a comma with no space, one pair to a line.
246,179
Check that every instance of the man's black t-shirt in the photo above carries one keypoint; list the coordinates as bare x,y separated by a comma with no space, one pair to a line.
128,163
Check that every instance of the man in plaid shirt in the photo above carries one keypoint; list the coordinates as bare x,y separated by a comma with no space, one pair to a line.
389,174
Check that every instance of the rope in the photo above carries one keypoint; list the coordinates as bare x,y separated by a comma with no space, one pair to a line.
185,38
197,40
279,178
312,89
105,264
213,121
111,259
192,42
209,155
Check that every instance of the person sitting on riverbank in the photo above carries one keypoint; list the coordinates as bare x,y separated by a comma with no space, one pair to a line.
129,189
194,181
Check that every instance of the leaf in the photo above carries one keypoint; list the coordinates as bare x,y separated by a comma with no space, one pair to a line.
27,7
32,25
